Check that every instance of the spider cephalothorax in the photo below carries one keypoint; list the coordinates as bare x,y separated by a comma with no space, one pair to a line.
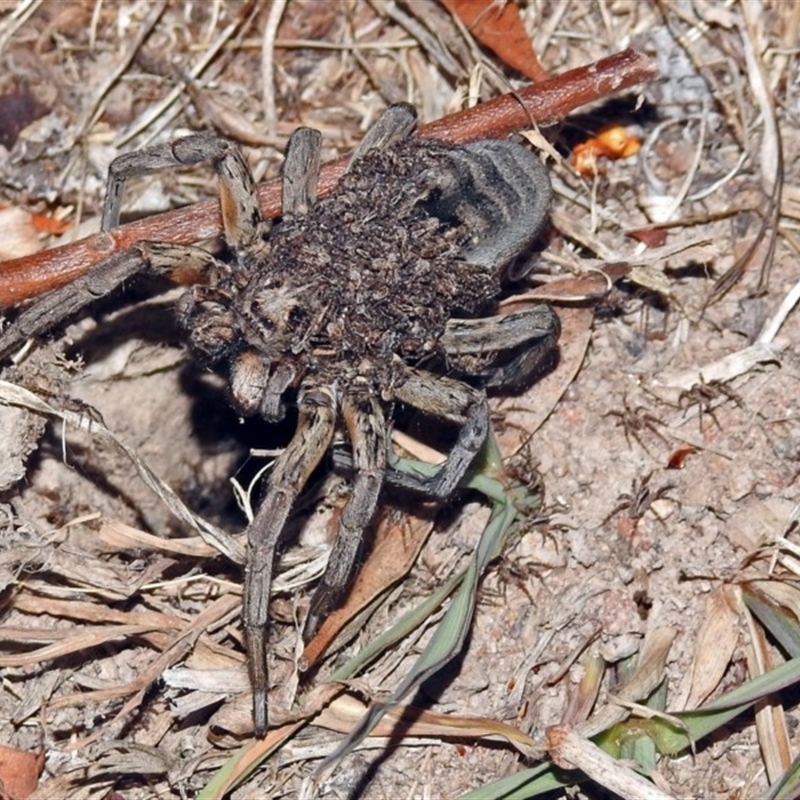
350,305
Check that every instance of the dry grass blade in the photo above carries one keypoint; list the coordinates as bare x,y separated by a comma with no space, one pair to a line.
159,113
85,640
178,649
20,14
774,324
344,713
95,613
716,643
724,369
268,66
771,161
117,536
773,735
79,572
145,29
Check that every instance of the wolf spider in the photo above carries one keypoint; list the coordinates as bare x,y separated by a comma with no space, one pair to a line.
346,307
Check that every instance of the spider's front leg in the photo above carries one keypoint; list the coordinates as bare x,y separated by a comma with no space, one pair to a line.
315,428
300,172
242,219
177,262
245,230
394,125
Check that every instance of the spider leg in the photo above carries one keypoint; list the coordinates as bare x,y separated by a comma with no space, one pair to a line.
367,432
300,171
241,216
177,262
245,229
394,125
315,427
452,400
474,345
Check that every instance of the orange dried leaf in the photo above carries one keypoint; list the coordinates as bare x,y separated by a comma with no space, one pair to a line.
499,27
652,237
679,456
19,772
393,554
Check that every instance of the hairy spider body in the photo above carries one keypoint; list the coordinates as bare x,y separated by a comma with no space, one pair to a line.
367,275
365,299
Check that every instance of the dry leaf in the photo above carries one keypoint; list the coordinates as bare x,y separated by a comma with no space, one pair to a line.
771,725
393,554
19,772
652,237
716,642
345,712
116,535
499,27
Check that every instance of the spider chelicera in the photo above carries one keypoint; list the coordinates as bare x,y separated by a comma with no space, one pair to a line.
380,294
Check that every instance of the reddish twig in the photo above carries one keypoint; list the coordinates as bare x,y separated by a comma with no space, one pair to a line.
540,104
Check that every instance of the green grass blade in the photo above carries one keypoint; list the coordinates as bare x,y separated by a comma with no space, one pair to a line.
788,787
452,631
524,784
776,618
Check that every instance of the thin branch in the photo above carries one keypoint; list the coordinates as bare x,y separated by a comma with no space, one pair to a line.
541,104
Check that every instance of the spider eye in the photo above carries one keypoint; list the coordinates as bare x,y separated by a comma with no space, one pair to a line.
260,310
273,312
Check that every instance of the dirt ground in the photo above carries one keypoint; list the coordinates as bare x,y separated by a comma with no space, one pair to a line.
668,462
